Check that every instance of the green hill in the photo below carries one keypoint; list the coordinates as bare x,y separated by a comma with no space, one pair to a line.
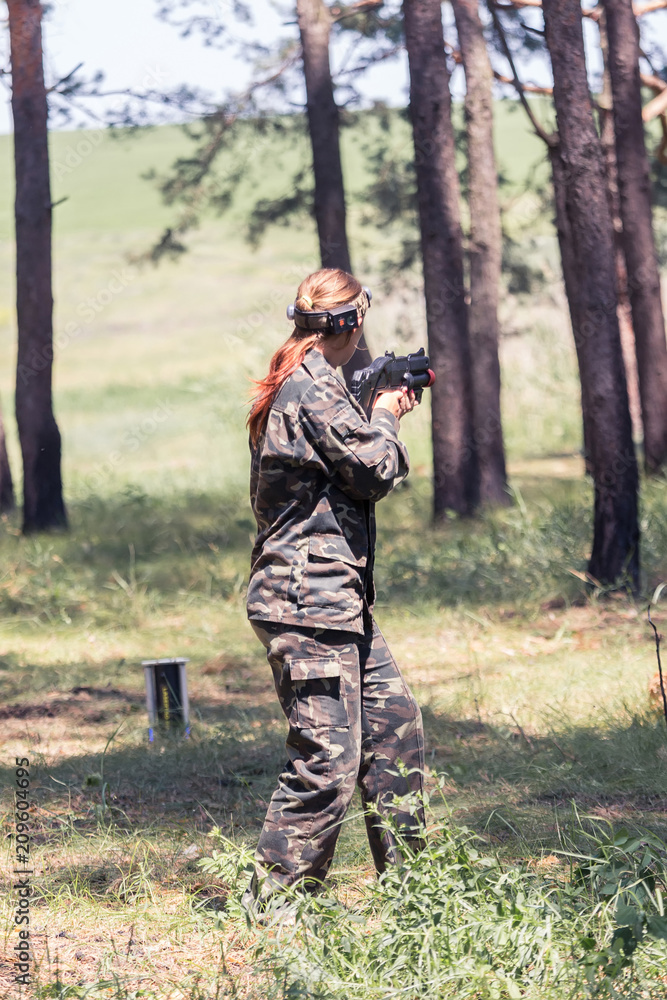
188,335
102,176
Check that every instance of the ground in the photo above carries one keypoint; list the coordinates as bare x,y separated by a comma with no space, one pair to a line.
541,731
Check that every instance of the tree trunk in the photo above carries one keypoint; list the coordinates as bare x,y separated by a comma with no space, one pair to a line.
43,506
6,482
485,252
615,555
456,475
638,243
607,138
314,20
570,276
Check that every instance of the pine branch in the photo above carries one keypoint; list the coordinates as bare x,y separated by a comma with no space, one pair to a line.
348,10
529,88
638,9
656,106
373,60
64,79
549,138
646,8
656,83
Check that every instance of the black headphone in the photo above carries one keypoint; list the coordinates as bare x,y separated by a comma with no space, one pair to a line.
340,319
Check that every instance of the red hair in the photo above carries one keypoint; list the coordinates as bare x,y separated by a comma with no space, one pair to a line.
324,289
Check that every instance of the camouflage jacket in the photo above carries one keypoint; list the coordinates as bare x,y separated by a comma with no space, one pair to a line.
316,473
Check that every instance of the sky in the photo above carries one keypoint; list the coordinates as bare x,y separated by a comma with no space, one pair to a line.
134,49
125,39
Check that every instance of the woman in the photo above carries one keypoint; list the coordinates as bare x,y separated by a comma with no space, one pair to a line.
318,467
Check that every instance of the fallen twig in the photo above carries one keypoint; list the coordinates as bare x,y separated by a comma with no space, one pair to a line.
657,653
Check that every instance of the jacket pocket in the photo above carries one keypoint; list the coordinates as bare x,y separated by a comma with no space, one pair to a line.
319,701
332,577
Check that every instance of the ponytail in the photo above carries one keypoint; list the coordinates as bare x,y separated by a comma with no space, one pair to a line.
284,363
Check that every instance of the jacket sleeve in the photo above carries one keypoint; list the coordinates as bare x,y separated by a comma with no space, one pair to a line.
364,458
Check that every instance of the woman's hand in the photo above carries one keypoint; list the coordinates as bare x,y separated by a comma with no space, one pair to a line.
397,401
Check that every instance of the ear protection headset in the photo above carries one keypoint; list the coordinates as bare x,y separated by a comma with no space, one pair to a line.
340,319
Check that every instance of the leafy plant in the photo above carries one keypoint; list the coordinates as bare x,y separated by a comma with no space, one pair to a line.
455,920
625,878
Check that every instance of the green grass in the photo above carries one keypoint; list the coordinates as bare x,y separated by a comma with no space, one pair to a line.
532,701
456,921
534,693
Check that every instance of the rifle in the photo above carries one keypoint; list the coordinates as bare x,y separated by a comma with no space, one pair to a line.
390,372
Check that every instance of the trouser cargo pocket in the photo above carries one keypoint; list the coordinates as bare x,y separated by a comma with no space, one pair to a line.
319,700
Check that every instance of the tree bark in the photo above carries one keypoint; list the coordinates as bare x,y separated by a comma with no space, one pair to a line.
43,506
570,277
6,482
637,236
455,468
615,554
607,138
314,19
485,253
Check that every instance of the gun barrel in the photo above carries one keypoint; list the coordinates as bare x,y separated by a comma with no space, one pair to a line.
422,380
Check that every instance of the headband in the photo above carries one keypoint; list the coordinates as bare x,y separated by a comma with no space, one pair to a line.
337,320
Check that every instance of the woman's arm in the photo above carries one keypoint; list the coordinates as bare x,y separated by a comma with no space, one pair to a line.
365,459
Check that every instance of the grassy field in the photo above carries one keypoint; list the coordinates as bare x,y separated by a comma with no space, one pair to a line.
542,738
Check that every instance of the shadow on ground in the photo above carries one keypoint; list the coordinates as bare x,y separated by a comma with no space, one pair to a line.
512,786
134,548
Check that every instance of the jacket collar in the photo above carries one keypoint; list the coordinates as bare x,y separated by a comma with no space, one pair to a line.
316,365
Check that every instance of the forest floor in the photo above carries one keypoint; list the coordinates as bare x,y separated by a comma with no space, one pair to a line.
539,721
542,736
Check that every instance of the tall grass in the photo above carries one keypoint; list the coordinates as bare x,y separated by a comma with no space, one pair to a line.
455,920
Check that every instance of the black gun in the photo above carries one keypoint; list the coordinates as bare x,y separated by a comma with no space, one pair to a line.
391,372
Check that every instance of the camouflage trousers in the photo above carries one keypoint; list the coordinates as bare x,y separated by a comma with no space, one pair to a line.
352,719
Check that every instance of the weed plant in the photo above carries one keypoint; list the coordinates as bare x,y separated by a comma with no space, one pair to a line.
454,920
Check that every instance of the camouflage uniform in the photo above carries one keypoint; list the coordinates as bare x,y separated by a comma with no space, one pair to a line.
316,473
